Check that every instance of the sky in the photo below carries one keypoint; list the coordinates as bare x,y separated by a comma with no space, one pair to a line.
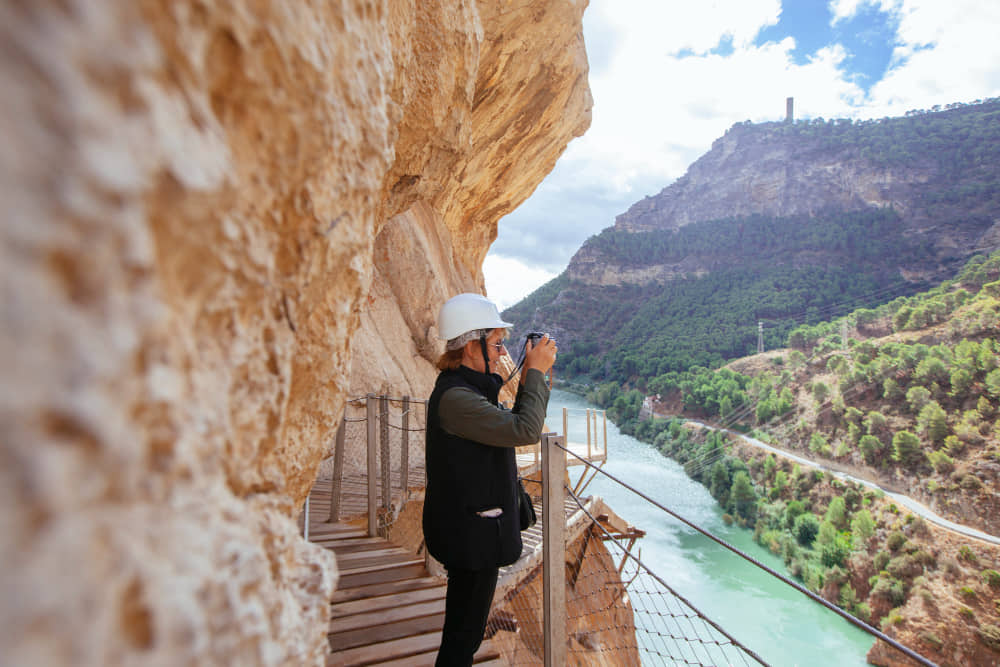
670,76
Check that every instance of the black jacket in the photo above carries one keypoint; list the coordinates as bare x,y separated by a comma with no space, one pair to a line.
466,476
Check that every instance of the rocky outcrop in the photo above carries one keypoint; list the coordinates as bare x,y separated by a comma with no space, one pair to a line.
592,267
221,221
749,171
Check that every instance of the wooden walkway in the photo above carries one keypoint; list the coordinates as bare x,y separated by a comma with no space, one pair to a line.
387,609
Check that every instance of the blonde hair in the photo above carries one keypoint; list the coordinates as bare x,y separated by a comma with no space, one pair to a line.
452,358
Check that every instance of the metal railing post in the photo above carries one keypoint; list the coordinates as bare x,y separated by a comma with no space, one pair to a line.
589,451
566,425
385,461
336,482
404,464
604,417
554,549
305,522
372,463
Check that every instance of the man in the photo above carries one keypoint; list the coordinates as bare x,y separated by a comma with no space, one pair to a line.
470,516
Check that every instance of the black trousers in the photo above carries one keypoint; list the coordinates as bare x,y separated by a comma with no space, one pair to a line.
467,606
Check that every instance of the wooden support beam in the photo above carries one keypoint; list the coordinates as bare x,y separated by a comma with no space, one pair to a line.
554,549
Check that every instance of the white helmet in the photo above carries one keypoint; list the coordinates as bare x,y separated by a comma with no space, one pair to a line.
467,312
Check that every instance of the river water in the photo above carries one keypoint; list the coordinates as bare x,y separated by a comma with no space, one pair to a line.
774,620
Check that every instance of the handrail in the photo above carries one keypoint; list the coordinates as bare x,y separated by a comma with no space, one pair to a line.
805,591
659,580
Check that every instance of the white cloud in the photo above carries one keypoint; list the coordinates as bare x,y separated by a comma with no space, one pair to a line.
509,280
661,97
949,53
846,9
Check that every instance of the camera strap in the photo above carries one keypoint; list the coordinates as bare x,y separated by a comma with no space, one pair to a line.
520,363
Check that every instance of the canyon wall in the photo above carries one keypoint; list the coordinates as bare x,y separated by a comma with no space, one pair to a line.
222,220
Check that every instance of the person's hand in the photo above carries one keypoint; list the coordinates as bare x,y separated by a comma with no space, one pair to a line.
540,354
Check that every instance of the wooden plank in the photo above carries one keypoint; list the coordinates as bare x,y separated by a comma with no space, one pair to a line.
386,632
348,563
373,550
376,653
349,544
382,574
347,594
352,563
377,617
486,656
321,532
387,601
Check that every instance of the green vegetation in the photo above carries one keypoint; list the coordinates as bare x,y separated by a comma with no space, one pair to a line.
705,320
935,410
913,391
785,271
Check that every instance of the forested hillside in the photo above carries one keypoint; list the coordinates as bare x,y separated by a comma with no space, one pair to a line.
909,200
910,398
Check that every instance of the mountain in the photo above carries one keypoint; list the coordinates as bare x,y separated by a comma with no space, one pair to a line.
780,223
910,400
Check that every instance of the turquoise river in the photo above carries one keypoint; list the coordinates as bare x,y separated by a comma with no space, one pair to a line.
779,623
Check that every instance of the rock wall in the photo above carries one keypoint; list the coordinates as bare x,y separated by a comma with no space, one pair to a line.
222,220
747,171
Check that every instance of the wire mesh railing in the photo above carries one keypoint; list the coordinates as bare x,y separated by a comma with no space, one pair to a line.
580,593
655,630
669,629
385,462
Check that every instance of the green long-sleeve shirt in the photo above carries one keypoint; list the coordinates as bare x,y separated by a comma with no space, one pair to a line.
469,415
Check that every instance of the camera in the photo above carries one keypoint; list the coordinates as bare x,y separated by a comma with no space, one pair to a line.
535,335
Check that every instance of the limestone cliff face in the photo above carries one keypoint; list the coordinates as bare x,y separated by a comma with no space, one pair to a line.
757,170
749,172
221,220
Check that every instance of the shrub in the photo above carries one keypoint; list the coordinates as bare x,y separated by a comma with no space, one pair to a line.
794,509
991,578
967,614
971,483
862,527
926,559
993,382
806,528
942,463
881,559
820,391
896,540
905,447
836,512
772,540
893,618
904,567
953,445
966,553
933,422
967,593
890,390
984,407
917,397
870,447
932,639
818,443
836,552
890,589
989,634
